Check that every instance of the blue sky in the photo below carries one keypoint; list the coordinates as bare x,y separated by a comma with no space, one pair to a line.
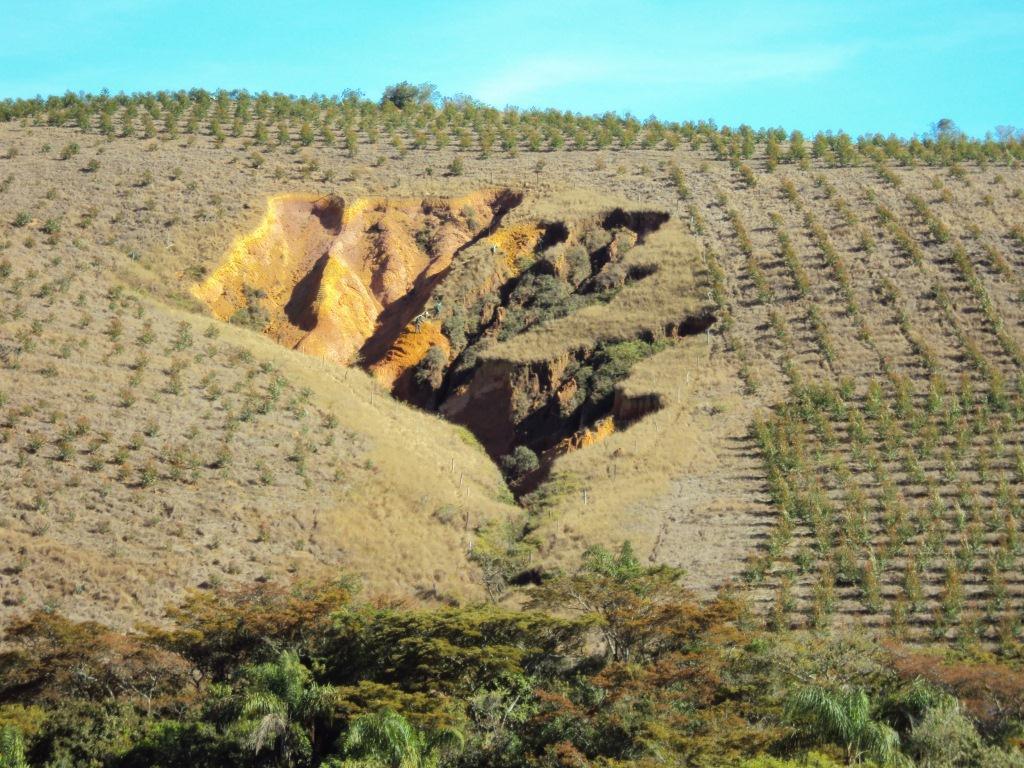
893,66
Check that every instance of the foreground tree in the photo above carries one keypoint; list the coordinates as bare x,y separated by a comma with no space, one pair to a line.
946,129
642,611
845,718
387,738
280,708
220,630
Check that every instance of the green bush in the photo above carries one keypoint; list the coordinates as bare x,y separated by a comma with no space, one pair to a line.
944,737
535,299
612,362
520,461
251,315
430,370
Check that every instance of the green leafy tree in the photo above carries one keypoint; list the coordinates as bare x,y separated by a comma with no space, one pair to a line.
405,94
943,736
641,610
945,129
446,652
223,629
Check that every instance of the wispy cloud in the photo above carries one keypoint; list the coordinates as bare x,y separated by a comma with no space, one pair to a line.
739,68
531,76
534,76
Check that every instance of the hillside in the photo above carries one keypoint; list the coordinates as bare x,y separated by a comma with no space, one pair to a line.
245,338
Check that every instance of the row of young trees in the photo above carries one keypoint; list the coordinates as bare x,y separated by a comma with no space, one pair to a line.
627,668
134,356
417,116
924,507
896,494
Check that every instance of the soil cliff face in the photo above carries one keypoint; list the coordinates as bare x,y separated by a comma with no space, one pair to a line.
323,275
568,402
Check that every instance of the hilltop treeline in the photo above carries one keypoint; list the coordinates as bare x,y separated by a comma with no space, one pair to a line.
414,117
616,664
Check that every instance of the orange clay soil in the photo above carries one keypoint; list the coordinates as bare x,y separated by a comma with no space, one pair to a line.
328,274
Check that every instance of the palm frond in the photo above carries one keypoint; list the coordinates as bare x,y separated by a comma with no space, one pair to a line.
267,731
446,740
880,743
844,718
262,703
12,748
318,700
386,736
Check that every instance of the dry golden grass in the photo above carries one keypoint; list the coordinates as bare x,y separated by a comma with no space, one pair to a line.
668,481
103,519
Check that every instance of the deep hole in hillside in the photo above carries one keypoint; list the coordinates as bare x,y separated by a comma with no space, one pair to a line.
417,290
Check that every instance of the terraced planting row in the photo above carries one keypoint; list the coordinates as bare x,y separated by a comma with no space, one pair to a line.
882,325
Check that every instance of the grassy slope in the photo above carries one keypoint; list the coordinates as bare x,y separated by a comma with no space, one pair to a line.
120,524
684,483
